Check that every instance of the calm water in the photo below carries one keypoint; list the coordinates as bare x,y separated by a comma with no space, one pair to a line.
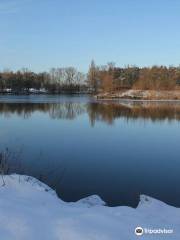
81,147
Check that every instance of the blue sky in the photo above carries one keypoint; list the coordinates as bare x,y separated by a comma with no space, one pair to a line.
40,34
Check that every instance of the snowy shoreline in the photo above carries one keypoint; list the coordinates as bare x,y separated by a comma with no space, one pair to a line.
141,95
31,210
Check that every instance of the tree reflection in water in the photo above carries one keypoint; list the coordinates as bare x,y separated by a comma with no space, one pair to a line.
104,111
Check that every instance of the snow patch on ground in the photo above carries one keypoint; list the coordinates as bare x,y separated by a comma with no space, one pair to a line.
136,94
31,210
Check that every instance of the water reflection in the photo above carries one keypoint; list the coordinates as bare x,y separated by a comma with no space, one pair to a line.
105,112
155,111
118,163
55,110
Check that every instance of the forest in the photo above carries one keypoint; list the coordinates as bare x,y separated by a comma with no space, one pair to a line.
57,80
106,78
110,78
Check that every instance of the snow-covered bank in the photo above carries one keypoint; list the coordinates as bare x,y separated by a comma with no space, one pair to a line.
31,210
142,95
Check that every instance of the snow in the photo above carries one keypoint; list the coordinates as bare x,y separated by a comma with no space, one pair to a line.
8,90
34,90
31,210
136,93
139,95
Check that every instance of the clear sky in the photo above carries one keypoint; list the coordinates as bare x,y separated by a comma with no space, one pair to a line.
40,34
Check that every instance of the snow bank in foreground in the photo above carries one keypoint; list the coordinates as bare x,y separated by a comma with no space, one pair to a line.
30,210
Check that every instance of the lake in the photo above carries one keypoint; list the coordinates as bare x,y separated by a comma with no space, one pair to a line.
80,147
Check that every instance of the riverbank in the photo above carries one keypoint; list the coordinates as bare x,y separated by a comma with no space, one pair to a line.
31,210
141,95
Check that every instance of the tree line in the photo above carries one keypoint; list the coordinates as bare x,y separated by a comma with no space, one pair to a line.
57,80
109,78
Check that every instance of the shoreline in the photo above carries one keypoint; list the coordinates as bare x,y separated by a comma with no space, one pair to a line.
139,100
35,210
141,95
